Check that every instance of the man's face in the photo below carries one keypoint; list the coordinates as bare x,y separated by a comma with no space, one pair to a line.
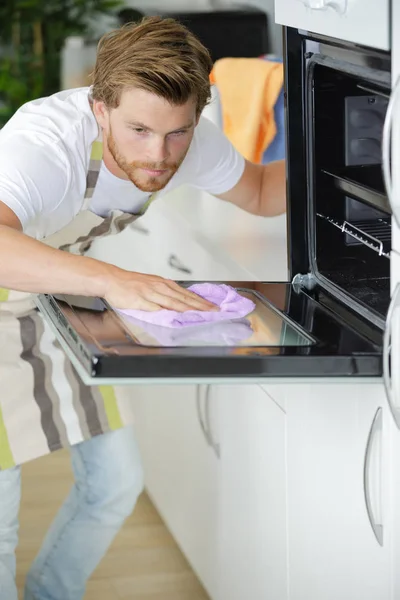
147,137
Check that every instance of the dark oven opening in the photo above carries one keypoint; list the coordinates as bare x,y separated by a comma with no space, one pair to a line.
352,217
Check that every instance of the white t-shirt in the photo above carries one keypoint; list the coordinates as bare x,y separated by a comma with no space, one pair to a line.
44,158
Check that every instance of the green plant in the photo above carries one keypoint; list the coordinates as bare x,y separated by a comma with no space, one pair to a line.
32,35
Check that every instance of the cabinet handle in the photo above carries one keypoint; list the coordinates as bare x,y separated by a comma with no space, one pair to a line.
214,445
392,391
339,5
175,263
369,467
139,228
200,413
386,147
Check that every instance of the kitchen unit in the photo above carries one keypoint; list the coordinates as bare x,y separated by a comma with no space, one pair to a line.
282,481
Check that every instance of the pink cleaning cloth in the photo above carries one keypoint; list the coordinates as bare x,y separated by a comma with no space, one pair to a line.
223,333
232,306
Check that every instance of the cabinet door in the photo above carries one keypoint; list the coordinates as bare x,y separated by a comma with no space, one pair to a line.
163,245
396,512
394,270
252,495
391,373
360,21
339,492
181,471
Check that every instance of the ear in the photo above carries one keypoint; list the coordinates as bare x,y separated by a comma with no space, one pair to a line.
101,113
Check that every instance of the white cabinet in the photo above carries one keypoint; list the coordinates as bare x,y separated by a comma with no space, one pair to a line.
214,460
394,269
181,471
252,484
339,490
392,132
287,500
392,334
396,513
391,355
162,243
365,22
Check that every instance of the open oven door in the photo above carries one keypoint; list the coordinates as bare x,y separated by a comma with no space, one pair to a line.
292,332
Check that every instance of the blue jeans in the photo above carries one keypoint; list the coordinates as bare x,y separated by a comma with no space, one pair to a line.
108,480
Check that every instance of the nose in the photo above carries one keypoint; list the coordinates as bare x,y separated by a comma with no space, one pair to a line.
158,152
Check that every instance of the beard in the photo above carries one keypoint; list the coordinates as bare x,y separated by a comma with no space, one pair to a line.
143,181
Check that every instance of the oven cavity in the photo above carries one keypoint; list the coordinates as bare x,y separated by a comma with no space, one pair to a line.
351,216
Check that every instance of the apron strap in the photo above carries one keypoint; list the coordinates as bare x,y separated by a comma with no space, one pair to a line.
116,221
96,158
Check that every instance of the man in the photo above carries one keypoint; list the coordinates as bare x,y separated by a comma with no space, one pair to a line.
85,163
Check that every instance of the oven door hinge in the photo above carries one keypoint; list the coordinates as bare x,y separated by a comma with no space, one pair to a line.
301,281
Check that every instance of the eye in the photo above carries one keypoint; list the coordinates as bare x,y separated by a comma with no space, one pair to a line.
138,130
178,133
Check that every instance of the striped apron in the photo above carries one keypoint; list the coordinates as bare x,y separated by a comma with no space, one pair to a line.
43,404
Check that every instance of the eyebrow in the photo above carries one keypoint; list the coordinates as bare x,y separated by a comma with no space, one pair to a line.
147,128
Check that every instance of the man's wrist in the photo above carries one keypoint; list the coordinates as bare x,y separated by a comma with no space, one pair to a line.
99,279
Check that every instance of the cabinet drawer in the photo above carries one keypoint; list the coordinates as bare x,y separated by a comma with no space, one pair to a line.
365,22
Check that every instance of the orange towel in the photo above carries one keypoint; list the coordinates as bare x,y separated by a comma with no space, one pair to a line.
248,88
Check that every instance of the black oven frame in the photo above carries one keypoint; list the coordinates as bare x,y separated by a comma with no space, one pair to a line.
299,164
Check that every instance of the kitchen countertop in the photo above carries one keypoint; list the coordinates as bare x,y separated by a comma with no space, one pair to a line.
257,244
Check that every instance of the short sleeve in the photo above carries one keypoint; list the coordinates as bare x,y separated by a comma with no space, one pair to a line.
219,165
34,176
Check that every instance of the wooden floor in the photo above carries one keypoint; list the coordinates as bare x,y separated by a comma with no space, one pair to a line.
144,561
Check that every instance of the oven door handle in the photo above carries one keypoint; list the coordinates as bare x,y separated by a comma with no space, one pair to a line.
391,377
386,149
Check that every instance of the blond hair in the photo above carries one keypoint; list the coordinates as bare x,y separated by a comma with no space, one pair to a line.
156,54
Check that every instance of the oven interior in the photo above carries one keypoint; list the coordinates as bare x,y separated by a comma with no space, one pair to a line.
351,212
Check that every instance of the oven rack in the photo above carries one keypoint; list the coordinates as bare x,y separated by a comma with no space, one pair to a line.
362,183
374,234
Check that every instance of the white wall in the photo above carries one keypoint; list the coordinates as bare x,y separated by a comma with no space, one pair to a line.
275,31
265,5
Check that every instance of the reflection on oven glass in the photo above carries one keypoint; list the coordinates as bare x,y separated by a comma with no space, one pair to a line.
263,327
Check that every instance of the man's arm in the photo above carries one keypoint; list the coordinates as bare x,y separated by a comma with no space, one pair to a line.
261,190
30,266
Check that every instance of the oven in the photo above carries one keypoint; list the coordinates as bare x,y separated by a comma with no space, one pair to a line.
328,319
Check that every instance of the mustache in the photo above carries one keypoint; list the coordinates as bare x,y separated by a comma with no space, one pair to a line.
153,166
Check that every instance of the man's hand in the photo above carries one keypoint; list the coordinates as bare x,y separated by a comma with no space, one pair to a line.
127,290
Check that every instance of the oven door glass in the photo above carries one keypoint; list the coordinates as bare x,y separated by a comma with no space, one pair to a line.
290,333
